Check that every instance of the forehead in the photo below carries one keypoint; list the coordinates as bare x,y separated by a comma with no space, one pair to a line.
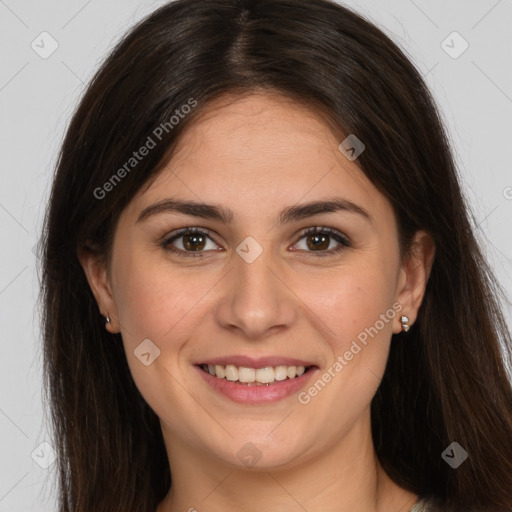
260,151
255,131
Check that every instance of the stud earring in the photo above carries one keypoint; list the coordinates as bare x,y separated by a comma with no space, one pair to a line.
107,319
405,322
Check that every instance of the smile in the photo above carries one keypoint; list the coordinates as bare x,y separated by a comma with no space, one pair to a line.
254,376
251,386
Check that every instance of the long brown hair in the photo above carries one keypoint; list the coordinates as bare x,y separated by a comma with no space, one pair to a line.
446,378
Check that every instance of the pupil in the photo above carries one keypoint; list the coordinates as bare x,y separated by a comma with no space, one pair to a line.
192,239
319,240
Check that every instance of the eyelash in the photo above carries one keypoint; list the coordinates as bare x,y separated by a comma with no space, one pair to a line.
342,240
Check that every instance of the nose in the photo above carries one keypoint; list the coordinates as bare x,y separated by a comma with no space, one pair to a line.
256,301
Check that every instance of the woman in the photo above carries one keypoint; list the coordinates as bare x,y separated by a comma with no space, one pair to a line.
259,199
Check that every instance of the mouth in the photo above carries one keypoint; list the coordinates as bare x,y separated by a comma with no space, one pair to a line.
247,376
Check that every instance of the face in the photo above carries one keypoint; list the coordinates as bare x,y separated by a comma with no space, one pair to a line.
264,281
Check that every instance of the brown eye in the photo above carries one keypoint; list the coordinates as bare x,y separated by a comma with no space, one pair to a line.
194,241
189,242
319,240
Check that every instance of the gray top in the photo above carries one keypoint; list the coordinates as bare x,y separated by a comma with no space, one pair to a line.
421,506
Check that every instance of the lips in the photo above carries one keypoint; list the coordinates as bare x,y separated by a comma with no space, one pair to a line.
253,393
250,380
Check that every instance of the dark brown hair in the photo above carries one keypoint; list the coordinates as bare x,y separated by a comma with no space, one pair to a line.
446,378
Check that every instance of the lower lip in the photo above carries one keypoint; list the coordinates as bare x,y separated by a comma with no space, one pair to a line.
243,393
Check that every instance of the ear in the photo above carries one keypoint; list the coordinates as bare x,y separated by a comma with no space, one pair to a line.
413,277
96,271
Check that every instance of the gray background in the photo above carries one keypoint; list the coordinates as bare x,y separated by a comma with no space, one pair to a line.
38,95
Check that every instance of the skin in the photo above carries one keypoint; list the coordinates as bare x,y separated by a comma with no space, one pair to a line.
257,155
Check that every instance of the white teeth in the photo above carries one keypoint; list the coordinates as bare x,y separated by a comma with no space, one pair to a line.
246,374
253,376
281,372
291,371
220,371
265,375
231,372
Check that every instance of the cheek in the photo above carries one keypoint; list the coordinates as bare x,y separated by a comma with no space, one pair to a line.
353,300
357,308
156,303
156,300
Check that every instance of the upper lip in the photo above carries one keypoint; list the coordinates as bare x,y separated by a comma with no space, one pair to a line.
256,362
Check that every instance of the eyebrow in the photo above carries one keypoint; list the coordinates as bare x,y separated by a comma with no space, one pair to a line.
225,215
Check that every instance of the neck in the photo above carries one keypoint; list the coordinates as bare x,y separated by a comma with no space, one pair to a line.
344,478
